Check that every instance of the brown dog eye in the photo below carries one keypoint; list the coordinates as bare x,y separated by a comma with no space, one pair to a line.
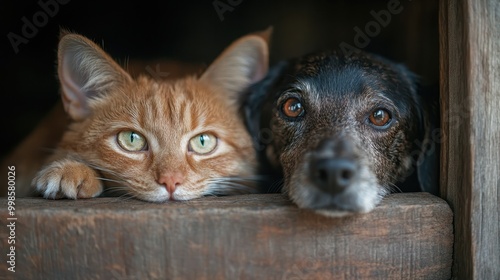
380,117
292,108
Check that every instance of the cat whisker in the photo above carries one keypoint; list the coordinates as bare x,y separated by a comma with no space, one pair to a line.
123,194
109,180
116,188
209,194
222,187
247,178
234,185
393,188
104,170
117,178
119,191
125,197
276,186
114,193
229,183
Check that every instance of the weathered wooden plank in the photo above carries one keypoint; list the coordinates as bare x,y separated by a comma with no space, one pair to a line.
470,167
409,236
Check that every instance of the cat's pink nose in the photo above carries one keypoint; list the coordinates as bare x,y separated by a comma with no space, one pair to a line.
171,181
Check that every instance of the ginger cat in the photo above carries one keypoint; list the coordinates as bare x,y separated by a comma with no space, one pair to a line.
154,140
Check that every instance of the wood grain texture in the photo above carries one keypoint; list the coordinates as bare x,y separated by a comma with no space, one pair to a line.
409,236
470,109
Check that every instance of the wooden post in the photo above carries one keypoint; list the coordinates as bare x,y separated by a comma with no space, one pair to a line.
409,236
470,109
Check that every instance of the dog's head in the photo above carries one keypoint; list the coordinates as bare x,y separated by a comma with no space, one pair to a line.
341,129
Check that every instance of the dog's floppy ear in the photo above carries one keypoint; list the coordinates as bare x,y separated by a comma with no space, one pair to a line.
257,95
428,161
85,71
243,63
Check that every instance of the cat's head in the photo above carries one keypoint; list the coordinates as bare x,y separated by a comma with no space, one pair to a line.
161,140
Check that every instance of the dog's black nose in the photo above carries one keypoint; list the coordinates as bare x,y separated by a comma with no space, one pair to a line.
333,167
333,175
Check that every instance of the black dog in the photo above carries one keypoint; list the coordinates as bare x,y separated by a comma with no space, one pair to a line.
343,131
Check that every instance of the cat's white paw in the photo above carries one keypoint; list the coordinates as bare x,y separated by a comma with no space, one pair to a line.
67,179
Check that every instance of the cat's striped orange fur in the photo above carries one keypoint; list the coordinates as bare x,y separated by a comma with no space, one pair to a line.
170,116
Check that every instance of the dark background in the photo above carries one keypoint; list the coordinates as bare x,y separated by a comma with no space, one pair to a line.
192,31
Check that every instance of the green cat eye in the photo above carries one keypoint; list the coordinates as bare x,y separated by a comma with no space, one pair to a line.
131,141
203,143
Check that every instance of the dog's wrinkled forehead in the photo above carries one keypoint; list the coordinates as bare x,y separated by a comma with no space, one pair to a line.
333,74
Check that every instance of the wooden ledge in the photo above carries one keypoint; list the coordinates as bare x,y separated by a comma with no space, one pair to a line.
409,236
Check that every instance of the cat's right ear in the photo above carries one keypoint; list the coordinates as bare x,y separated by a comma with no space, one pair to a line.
242,64
85,71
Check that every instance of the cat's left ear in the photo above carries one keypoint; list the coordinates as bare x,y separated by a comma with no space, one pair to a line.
85,72
243,63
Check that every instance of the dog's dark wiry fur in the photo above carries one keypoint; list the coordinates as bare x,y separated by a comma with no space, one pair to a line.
343,131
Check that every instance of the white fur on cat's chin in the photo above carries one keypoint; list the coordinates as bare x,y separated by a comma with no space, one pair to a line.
182,194
162,195
158,195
